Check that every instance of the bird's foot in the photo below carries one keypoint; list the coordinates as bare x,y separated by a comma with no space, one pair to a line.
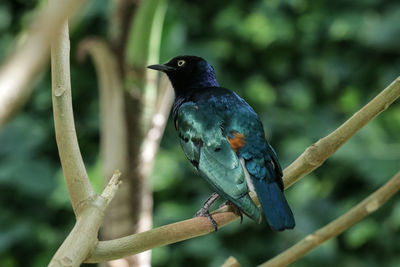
236,210
206,213
203,212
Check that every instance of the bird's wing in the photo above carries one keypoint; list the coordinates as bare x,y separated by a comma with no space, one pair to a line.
211,153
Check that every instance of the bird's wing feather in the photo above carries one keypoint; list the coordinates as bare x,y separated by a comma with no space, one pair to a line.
210,152
221,166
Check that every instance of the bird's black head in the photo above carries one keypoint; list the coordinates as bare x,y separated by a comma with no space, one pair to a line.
188,72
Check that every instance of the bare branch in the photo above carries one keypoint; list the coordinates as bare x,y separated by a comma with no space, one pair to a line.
317,153
83,236
113,134
89,208
338,226
77,180
20,69
159,120
112,106
160,236
172,233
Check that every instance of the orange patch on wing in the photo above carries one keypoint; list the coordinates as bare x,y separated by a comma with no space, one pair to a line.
237,141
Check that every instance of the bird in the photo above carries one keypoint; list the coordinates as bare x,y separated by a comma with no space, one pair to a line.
223,138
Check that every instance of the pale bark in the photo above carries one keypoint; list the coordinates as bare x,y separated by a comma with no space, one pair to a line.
77,180
89,207
83,237
113,131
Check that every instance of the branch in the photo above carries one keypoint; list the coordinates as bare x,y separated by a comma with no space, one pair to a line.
22,67
153,137
336,227
160,236
83,236
317,153
112,188
89,207
77,180
112,106
172,233
113,133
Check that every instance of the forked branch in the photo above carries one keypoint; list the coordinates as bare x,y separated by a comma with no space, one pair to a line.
89,207
83,236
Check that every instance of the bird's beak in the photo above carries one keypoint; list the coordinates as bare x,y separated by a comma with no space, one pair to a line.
161,67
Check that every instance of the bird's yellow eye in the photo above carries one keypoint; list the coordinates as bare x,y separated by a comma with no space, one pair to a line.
181,63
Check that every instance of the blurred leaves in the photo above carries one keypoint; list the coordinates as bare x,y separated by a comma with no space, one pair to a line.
361,233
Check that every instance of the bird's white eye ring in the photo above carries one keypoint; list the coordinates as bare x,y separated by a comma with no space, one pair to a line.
181,63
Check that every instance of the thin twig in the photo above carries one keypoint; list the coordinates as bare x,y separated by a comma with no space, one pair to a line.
148,151
172,233
151,142
77,180
112,187
22,67
336,227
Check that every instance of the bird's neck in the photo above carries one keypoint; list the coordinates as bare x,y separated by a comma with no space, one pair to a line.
204,79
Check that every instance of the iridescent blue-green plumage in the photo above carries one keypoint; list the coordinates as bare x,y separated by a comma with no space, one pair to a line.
224,139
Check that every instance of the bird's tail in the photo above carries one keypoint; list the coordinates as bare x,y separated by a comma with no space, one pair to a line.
276,209
248,207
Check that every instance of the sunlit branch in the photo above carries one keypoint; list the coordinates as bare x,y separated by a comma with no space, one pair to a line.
83,236
77,180
308,161
338,226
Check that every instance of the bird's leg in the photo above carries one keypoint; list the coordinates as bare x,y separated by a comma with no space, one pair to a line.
236,210
206,206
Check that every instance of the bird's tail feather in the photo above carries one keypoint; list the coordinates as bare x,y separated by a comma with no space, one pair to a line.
249,208
276,209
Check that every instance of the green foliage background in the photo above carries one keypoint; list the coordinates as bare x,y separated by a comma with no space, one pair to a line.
305,66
